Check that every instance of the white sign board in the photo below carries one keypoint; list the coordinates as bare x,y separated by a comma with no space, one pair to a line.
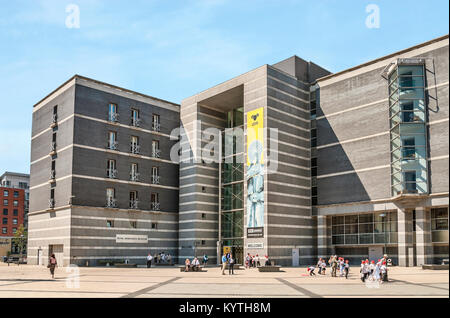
126,238
255,245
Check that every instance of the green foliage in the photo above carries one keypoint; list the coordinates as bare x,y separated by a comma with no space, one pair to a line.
20,238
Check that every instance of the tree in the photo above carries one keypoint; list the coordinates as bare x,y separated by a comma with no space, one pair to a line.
20,238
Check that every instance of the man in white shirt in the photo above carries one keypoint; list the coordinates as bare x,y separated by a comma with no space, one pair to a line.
195,264
149,260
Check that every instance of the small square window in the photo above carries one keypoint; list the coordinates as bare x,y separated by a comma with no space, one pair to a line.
133,224
203,189
4,230
203,242
203,215
109,223
16,203
154,225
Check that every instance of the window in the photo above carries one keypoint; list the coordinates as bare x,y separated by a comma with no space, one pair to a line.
113,116
203,242
439,219
54,141
154,225
154,198
23,185
135,145
135,120
203,215
14,230
410,180
5,193
53,172
112,140
5,202
156,152
4,230
134,173
55,114
15,221
16,203
156,126
111,171
155,175
16,194
5,211
133,224
109,223
133,199
408,150
203,189
5,220
111,198
15,212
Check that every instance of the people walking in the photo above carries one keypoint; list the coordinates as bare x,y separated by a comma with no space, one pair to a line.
346,268
231,261
149,260
311,270
248,261
319,265
52,263
324,267
224,263
334,265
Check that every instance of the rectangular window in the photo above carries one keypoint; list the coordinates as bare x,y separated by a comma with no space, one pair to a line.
135,120
113,116
16,203
5,202
5,211
15,212
109,223
15,221
4,230
156,126
156,152
5,193
134,173
5,221
111,171
409,178
155,175
135,145
154,226
112,140
154,199
16,194
14,230
133,224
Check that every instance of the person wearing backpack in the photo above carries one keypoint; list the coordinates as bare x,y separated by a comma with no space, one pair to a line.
52,263
231,265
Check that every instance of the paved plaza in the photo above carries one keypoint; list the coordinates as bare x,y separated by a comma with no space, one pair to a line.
162,282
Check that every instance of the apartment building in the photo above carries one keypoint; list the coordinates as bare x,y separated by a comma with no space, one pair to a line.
12,206
18,181
102,184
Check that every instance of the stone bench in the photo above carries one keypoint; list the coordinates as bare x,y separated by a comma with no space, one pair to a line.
123,265
435,267
236,266
270,268
191,269
163,264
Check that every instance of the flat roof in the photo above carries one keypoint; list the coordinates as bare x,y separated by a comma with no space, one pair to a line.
106,84
383,58
17,174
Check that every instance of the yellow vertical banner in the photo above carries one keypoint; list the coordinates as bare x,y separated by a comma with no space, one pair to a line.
255,168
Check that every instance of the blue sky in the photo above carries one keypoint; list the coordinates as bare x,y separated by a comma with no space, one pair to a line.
174,49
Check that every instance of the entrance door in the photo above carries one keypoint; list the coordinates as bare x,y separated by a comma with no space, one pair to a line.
295,257
39,257
375,253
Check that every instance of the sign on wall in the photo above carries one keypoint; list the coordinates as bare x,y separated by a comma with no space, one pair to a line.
255,170
255,245
126,238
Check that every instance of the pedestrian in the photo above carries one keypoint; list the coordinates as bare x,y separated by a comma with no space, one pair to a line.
257,261
248,260
224,263
324,267
52,263
169,259
361,271
371,267
195,264
385,259
311,270
187,265
319,265
334,265
346,268
266,260
231,261
149,260
205,260
383,270
341,266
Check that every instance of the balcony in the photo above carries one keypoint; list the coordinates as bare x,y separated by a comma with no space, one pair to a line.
134,204
113,145
135,149
156,153
54,121
111,203
51,203
111,173
155,179
53,149
155,206
113,117
134,176
136,122
156,126
52,175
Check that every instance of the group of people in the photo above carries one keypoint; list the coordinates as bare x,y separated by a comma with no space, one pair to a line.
195,263
255,261
336,263
369,270
376,272
230,260
158,259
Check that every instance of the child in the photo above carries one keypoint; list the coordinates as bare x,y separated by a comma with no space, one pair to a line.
324,267
346,268
372,267
363,277
383,270
311,270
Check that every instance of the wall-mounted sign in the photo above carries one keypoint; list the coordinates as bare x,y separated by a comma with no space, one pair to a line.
255,245
127,238
254,232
